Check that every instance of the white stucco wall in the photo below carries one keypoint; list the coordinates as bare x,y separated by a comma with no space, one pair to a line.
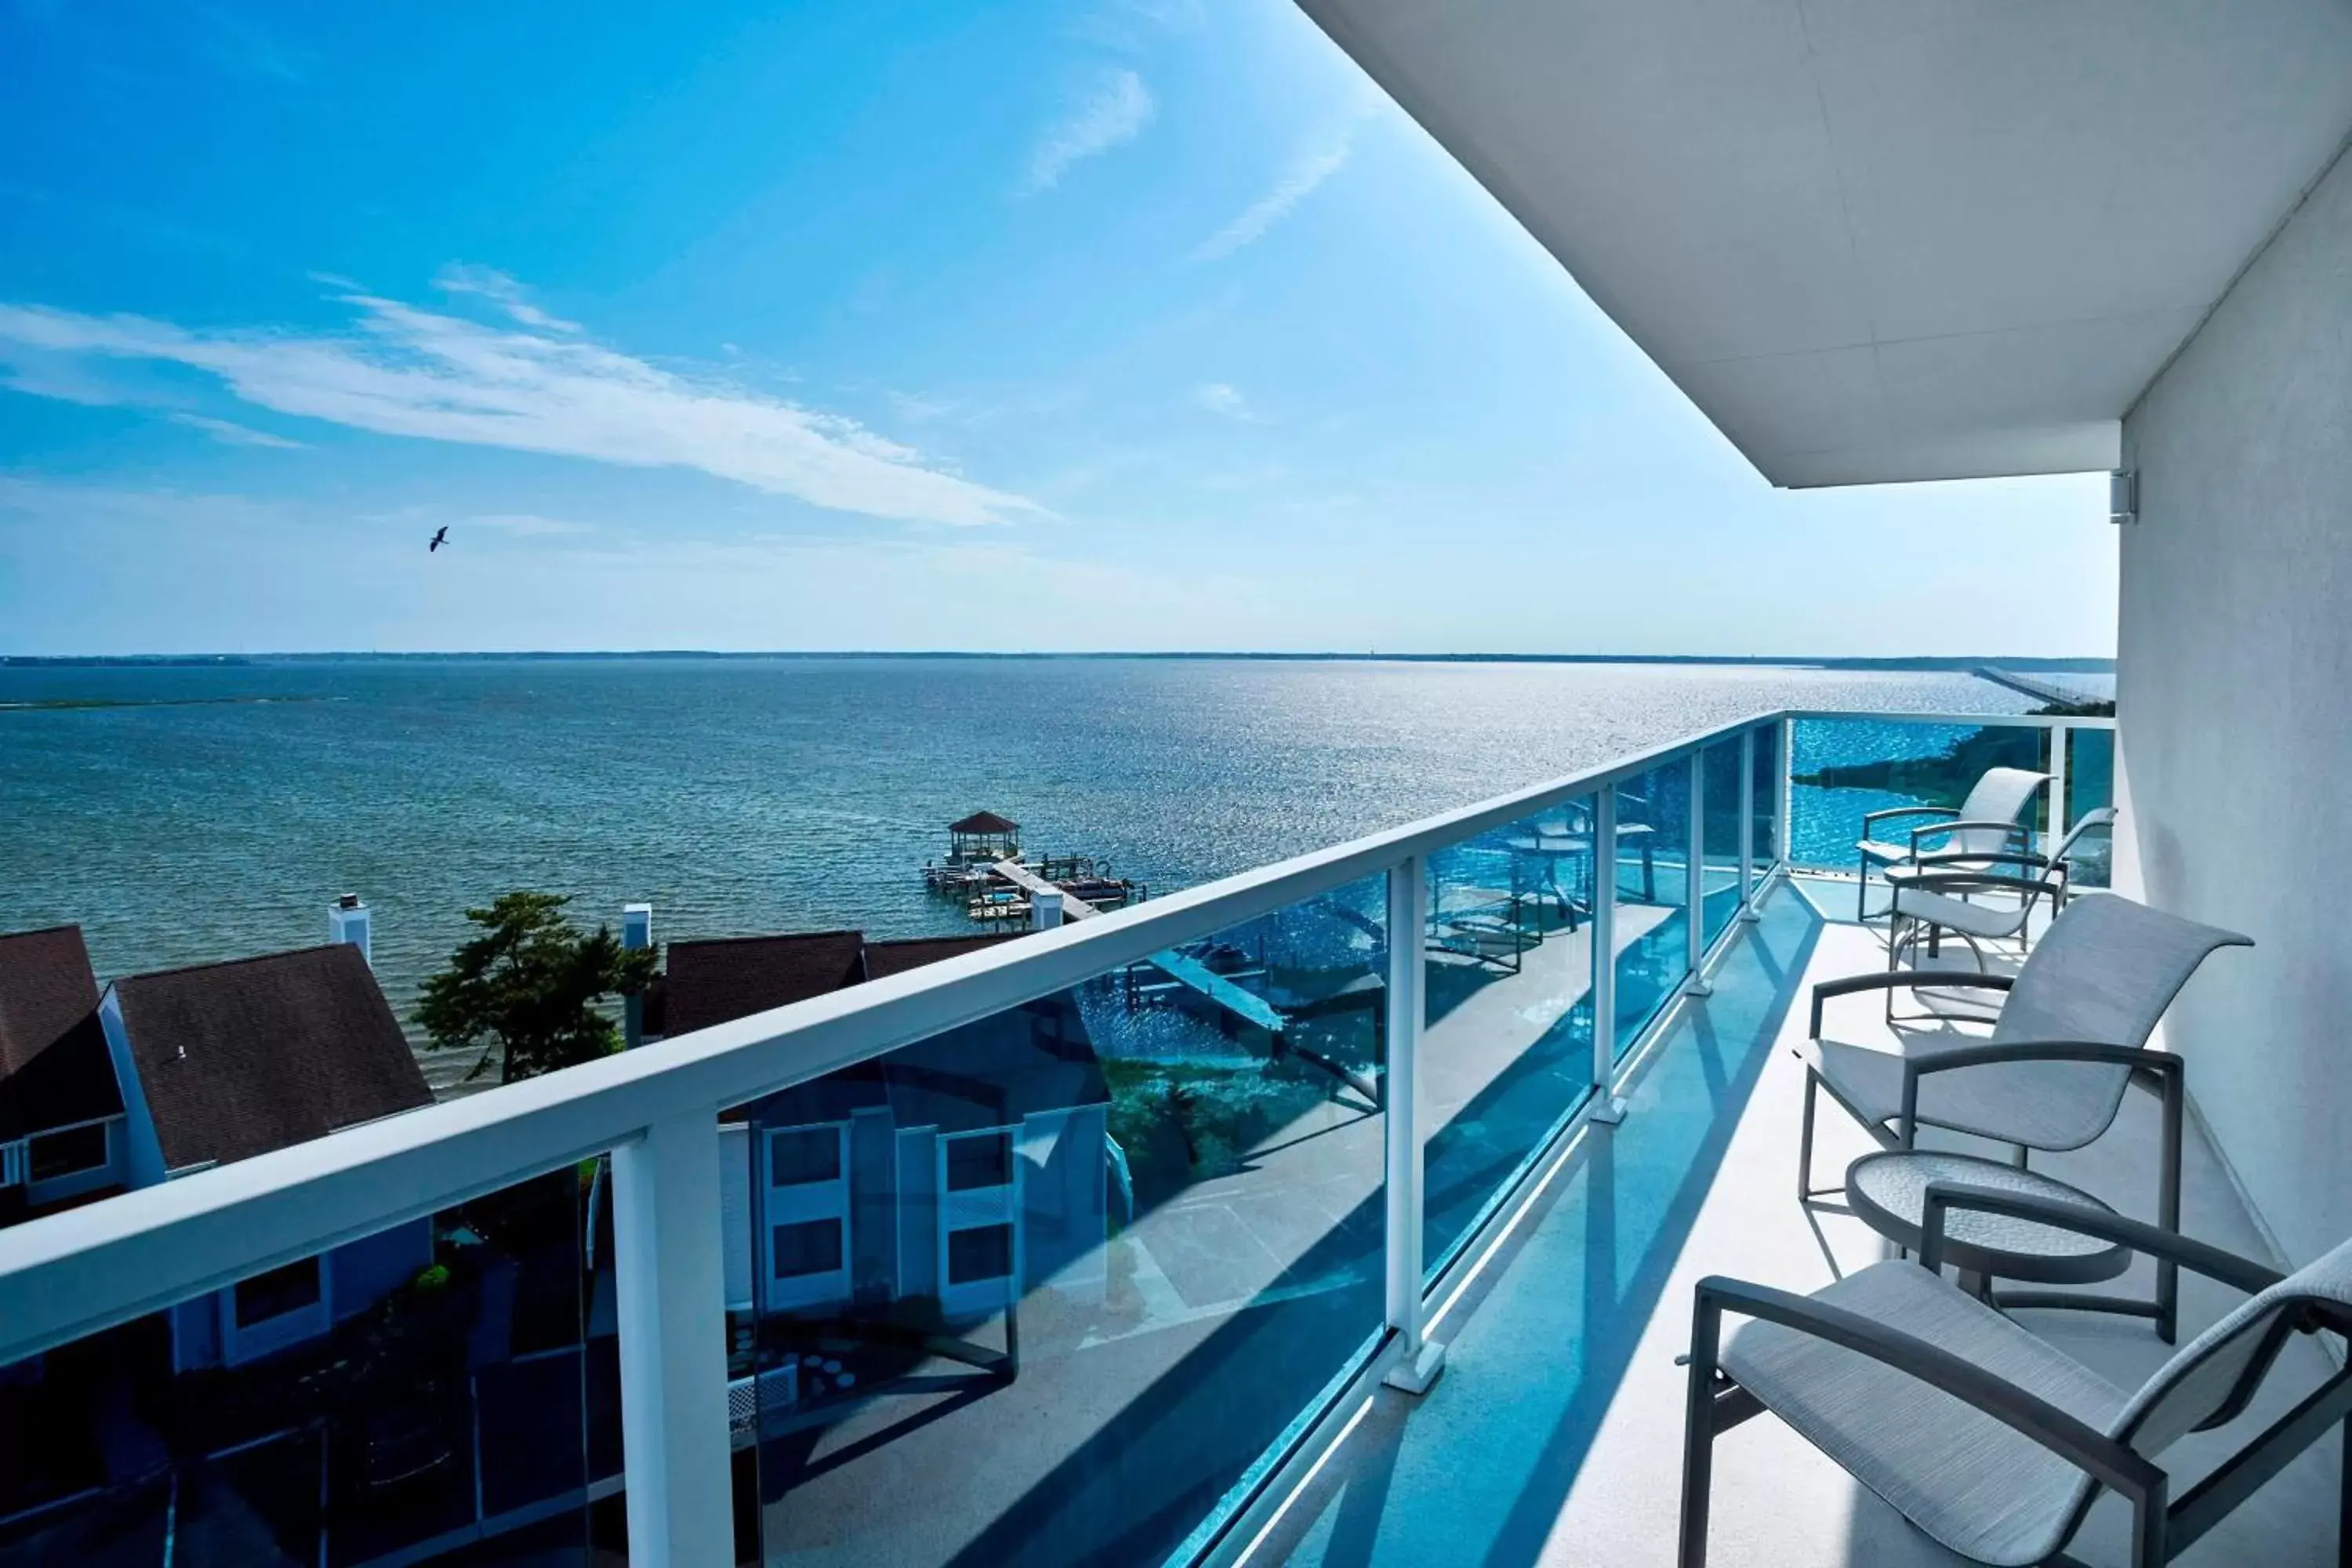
2235,707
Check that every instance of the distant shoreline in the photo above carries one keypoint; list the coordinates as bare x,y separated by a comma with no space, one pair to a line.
1964,663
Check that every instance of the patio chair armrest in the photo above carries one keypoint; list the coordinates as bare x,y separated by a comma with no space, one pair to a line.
2016,830
2239,1273
1882,981
2171,1068
1893,812
2067,1435
2005,858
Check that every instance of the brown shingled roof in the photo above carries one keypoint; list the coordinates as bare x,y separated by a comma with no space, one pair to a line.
238,1059
884,959
54,1069
716,982
985,822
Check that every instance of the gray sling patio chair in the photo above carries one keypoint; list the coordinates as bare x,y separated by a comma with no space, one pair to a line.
1926,899
1992,1442
1986,822
2071,1038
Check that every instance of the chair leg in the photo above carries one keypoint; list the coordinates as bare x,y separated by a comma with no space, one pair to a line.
1698,1433
2343,1501
1805,1145
1861,888
2168,1206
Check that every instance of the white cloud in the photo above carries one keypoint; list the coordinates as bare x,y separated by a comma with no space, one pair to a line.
1218,398
501,290
1116,111
1312,166
231,433
408,372
528,525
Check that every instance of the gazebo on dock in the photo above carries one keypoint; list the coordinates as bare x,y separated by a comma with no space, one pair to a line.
982,838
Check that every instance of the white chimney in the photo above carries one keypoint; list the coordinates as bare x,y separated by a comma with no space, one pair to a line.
348,921
1045,910
636,934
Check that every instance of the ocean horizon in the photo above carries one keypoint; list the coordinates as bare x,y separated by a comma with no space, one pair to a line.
188,812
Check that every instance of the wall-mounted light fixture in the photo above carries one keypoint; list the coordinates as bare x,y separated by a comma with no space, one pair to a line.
2123,495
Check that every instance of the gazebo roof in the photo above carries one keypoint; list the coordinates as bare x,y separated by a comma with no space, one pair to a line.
985,822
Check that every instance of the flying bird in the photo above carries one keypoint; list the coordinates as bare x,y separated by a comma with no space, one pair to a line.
439,539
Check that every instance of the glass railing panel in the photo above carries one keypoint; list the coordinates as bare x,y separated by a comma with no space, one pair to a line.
1043,1289
1842,769
1767,762
2091,784
1507,1049
421,1395
1650,870
1720,813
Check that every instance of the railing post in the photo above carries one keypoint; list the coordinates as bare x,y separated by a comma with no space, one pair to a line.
2059,734
1607,1108
671,1291
1785,765
1747,825
1418,1366
1695,883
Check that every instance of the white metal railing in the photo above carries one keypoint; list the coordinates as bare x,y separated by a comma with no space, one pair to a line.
656,1111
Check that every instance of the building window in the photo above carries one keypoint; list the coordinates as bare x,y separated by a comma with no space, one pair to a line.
984,1252
810,1246
277,1292
985,1160
67,1153
801,1155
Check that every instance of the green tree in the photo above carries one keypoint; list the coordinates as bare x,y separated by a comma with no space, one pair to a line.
524,992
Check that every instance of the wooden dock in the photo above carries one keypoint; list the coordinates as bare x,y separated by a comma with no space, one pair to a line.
1248,1005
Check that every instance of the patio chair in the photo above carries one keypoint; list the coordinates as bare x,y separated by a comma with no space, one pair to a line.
1991,1441
1986,823
1928,900
2071,1036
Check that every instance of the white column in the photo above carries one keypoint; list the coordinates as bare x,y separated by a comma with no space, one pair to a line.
1695,881
1747,824
1045,910
1418,1366
671,1295
1606,1107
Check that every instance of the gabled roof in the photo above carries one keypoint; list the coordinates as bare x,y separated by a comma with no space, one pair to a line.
884,959
54,1069
985,822
717,981
238,1059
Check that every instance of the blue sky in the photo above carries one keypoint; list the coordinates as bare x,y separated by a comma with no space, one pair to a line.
1124,323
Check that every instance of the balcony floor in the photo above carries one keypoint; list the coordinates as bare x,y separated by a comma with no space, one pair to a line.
1555,1435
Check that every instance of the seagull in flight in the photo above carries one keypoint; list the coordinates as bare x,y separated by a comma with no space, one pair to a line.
439,539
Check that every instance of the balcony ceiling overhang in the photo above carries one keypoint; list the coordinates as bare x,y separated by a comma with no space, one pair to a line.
1885,239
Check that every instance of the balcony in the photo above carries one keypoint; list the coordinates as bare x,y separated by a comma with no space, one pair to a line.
1117,1244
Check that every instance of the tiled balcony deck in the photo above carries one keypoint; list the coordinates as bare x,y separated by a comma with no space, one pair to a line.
1555,1435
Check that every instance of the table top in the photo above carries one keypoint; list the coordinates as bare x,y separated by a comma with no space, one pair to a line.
1888,1191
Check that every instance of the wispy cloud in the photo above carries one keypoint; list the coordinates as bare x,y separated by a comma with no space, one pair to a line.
501,290
403,370
229,433
1313,165
1115,110
529,525
1218,398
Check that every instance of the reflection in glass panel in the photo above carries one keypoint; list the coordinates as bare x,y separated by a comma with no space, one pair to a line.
1842,769
1719,811
419,1394
1084,1260
1652,880
1507,1052
2091,784
1767,843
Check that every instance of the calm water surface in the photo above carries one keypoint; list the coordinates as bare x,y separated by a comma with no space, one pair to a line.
762,796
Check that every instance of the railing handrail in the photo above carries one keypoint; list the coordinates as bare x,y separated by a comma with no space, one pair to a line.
2015,720
141,1251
